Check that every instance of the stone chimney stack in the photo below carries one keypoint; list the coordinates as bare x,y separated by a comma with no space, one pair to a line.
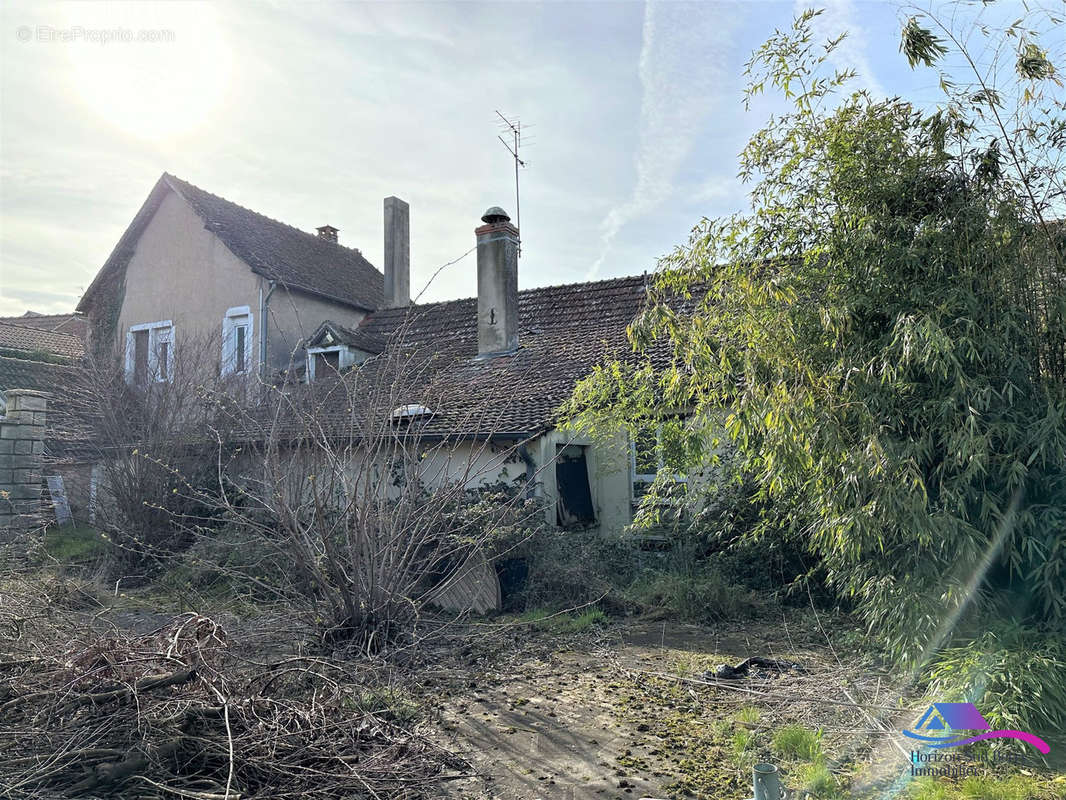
497,284
397,253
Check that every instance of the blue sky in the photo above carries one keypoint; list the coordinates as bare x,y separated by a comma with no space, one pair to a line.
313,112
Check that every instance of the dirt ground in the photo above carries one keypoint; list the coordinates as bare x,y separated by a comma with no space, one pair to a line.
627,712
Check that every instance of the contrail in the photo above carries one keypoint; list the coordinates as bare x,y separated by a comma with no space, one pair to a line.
683,59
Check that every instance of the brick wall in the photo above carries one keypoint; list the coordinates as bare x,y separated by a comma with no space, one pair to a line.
21,449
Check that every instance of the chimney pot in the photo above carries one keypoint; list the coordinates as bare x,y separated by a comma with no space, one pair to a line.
495,214
397,265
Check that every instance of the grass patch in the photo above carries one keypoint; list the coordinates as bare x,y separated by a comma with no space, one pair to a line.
743,743
1016,787
796,742
543,619
819,781
749,714
388,703
73,544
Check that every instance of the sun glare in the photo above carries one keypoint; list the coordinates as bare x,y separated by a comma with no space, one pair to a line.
155,71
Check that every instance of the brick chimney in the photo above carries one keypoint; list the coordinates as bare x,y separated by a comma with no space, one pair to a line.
328,232
497,284
397,253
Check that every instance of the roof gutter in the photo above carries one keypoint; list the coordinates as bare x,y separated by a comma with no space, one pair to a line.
264,301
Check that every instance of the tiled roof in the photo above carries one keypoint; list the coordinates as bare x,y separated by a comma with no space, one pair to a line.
564,331
40,376
74,324
40,340
297,259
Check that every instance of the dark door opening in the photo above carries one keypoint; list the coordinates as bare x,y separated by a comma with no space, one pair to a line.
574,507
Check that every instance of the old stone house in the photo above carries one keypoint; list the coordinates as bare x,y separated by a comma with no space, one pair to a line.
293,306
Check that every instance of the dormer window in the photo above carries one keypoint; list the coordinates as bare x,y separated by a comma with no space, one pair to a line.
237,341
333,349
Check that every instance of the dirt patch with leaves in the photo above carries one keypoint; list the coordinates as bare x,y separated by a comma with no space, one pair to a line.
637,710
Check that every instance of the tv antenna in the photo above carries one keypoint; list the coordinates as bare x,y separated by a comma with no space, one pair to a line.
512,130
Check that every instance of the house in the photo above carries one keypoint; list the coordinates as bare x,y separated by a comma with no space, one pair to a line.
289,305
192,265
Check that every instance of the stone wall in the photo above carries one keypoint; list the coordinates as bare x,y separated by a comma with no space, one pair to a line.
21,450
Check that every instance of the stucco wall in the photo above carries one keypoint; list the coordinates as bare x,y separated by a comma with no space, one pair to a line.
479,464
609,476
293,316
182,272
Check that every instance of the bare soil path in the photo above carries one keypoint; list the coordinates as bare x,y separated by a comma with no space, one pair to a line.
587,721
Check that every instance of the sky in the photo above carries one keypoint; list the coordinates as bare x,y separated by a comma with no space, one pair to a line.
313,112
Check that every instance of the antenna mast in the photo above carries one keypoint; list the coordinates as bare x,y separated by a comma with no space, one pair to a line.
513,131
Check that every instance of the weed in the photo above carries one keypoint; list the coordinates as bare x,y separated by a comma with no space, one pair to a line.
929,789
749,714
743,743
795,741
543,619
388,703
1014,788
1017,787
819,781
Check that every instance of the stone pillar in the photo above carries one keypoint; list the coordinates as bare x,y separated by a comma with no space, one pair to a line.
21,450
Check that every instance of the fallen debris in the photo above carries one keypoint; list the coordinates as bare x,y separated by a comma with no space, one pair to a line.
741,670
178,714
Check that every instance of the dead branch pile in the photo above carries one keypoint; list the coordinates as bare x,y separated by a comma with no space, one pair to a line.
176,714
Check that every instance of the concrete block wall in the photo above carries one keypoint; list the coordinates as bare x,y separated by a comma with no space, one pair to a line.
21,450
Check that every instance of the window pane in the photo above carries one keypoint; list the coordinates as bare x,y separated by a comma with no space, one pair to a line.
140,356
164,360
240,333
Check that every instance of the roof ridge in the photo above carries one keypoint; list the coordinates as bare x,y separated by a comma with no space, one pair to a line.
4,322
74,314
422,306
354,250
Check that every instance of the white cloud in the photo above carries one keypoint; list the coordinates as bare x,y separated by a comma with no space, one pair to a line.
683,59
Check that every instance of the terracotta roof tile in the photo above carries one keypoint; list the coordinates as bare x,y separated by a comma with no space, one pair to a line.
40,340
564,331
74,324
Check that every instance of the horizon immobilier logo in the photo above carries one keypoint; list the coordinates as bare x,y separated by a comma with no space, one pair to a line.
942,725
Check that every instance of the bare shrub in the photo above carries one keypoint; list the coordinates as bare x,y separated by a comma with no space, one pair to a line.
147,436
380,505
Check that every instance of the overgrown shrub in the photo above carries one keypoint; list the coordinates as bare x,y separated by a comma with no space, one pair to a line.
565,569
700,594
880,340
1015,675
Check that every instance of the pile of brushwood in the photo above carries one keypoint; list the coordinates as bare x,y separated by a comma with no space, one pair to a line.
182,712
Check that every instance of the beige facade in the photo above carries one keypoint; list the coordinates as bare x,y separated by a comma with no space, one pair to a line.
293,316
183,274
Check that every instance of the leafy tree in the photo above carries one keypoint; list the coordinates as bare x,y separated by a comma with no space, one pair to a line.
879,342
